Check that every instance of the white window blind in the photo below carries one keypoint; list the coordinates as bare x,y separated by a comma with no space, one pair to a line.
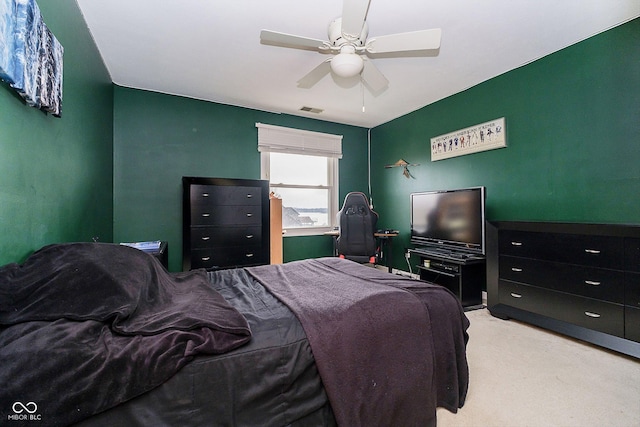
295,141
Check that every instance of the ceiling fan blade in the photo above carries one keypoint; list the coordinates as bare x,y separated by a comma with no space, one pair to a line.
354,12
402,42
373,78
315,75
289,40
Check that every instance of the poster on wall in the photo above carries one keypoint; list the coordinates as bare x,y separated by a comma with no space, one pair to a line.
482,137
30,55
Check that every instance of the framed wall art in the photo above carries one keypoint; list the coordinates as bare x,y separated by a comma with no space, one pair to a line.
30,55
482,137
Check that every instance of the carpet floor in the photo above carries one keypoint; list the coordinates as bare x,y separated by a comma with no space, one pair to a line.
522,376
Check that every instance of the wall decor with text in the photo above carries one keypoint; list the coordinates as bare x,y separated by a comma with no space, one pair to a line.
482,137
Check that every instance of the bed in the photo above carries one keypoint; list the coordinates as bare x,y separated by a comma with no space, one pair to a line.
96,334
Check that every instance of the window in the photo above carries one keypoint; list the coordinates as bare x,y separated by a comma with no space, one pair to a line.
302,168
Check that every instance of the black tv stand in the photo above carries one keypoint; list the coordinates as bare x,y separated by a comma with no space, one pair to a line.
462,273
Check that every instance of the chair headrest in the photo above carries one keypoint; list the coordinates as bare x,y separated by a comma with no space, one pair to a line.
356,197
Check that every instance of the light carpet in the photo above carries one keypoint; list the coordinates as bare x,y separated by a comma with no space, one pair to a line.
522,376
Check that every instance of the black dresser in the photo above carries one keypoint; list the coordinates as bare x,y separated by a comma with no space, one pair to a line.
581,280
225,223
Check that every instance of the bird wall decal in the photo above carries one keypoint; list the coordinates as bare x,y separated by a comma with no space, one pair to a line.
405,167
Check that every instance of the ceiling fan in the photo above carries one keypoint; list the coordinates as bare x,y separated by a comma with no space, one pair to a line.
351,49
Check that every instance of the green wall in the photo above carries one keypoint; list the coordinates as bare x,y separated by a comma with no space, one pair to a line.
573,140
57,172
160,138
111,166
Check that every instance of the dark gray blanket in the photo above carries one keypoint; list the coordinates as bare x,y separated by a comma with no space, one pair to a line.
270,381
85,326
388,350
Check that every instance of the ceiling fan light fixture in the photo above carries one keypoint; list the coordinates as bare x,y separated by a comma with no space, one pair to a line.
347,64
351,49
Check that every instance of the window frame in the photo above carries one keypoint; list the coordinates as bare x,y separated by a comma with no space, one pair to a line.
332,186
295,141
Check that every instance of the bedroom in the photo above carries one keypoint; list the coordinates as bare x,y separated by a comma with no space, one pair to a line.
93,173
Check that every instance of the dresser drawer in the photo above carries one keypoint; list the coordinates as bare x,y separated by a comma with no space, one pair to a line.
632,254
215,195
230,256
595,251
632,289
597,283
226,215
632,323
586,312
215,237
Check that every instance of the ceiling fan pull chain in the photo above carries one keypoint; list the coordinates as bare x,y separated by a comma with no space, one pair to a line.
362,90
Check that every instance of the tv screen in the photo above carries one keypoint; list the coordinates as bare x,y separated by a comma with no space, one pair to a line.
450,219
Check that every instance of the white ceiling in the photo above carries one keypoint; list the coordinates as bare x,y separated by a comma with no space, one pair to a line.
211,50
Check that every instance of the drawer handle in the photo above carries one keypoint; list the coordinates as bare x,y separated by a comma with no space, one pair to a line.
513,294
516,243
248,255
249,196
592,251
206,215
516,269
249,215
249,236
206,258
206,238
205,194
592,283
592,314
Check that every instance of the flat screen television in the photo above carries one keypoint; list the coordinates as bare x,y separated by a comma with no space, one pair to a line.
449,219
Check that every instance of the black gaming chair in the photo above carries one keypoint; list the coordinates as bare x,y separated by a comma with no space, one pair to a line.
357,224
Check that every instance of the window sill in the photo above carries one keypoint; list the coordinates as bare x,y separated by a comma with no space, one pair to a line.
315,231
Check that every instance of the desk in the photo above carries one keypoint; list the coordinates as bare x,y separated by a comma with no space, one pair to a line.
162,254
156,248
384,240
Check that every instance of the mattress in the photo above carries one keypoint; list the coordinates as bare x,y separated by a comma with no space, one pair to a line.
271,381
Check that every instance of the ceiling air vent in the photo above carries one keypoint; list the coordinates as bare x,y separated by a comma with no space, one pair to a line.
311,110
